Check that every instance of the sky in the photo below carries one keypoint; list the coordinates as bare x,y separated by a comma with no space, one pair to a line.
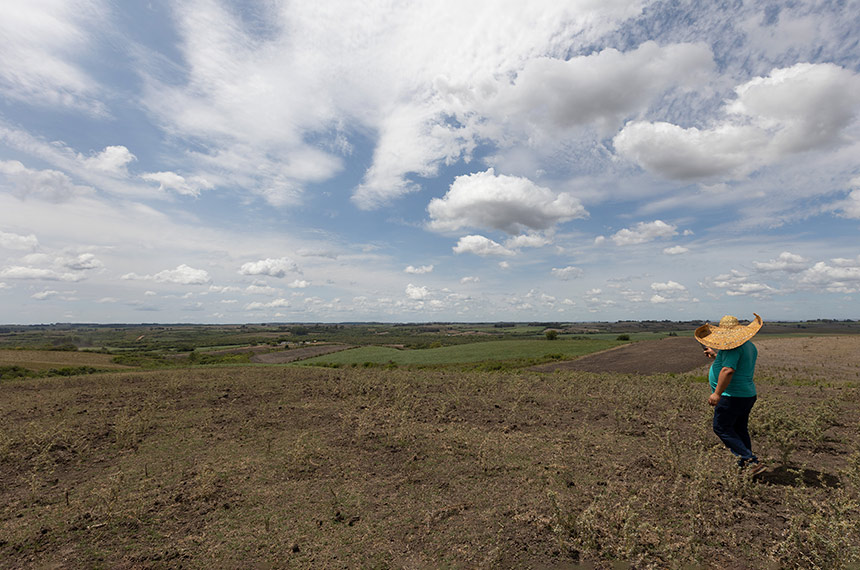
206,161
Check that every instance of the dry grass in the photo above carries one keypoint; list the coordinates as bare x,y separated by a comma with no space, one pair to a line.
47,359
321,468
820,359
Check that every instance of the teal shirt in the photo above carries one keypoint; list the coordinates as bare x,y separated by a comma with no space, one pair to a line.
742,360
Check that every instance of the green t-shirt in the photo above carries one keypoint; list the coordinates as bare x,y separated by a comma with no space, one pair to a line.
742,360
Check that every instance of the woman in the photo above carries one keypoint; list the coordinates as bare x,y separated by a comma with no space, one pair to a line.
733,389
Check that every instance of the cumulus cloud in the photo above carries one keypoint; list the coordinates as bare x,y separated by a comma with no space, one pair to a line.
420,270
82,262
261,289
480,245
10,240
676,250
644,232
785,261
527,240
508,203
669,286
113,160
275,304
839,276
550,93
850,207
42,295
23,272
566,273
48,185
273,267
417,293
181,185
795,109
736,283
299,284
470,279
182,275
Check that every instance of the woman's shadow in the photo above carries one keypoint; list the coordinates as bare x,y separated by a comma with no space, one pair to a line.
789,476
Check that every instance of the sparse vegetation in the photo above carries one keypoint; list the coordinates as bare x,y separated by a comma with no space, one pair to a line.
394,466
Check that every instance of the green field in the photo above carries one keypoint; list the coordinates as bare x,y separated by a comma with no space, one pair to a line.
500,350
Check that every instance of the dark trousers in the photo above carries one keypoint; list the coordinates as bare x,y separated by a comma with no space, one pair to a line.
731,424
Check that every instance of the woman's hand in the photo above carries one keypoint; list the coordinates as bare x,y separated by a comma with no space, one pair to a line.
710,353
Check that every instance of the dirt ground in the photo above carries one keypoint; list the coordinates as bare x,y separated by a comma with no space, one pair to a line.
670,354
813,358
301,467
285,356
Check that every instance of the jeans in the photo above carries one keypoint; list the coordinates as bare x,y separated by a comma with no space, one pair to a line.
731,424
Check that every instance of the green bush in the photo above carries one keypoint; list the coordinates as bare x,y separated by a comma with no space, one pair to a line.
623,337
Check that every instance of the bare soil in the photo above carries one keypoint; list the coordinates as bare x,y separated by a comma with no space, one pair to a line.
294,354
288,467
670,354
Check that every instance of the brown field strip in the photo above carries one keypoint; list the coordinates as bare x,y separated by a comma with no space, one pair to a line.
47,359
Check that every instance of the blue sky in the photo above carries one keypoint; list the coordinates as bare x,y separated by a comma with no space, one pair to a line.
227,162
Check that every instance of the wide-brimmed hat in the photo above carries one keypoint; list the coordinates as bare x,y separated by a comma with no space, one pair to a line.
729,334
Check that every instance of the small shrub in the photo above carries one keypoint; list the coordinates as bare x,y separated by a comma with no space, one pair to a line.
623,337
551,334
9,372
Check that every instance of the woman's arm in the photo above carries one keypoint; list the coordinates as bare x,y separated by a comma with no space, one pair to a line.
723,382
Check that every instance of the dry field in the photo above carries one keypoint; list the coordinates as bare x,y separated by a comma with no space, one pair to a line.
47,359
265,467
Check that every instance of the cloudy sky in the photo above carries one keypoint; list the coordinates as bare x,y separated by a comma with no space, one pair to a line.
223,162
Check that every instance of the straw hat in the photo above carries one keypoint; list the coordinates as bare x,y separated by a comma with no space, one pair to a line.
729,334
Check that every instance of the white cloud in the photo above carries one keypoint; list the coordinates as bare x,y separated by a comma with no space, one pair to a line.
299,284
182,275
15,241
181,185
420,270
22,272
277,303
658,299
565,273
669,286
272,267
527,240
507,203
676,250
417,293
480,245
42,295
470,279
49,185
795,109
113,160
850,207
39,42
785,261
840,276
736,283
261,289
550,94
644,232
82,262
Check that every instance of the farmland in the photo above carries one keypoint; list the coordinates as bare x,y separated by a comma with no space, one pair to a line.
429,465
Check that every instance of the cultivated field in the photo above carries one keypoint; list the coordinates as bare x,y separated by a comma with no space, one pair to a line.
303,467
47,359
